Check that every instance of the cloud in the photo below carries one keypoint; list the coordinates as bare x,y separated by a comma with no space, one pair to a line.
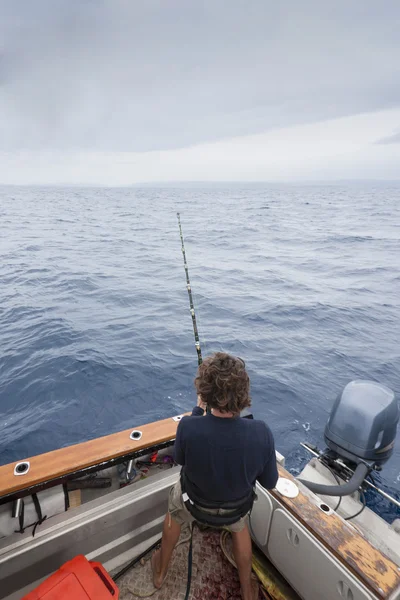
103,77
342,148
137,76
391,139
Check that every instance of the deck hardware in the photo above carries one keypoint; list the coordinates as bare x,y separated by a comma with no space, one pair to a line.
136,435
292,537
129,470
177,418
325,508
287,488
17,508
349,472
22,468
345,591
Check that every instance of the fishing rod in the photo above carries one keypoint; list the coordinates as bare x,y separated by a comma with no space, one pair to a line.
199,360
189,289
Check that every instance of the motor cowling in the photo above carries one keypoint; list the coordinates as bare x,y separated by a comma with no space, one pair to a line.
363,422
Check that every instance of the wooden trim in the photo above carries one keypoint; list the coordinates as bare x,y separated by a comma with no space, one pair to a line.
65,461
369,565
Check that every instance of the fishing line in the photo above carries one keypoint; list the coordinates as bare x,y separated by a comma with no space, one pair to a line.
189,290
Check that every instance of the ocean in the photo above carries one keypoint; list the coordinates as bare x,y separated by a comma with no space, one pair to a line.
301,281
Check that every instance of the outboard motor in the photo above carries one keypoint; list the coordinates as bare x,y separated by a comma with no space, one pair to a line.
362,425
361,430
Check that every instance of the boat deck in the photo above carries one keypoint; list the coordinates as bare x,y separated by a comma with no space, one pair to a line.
213,576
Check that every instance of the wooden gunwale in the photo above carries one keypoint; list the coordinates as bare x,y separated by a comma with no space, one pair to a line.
67,461
377,572
367,563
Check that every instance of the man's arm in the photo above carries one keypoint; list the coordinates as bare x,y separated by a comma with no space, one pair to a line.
198,410
269,476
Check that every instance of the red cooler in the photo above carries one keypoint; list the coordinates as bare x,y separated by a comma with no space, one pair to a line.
78,579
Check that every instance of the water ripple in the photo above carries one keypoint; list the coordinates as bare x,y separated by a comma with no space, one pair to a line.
95,331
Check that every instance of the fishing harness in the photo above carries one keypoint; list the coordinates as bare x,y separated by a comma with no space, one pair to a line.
198,507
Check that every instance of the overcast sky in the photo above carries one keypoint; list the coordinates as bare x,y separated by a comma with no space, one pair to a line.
121,91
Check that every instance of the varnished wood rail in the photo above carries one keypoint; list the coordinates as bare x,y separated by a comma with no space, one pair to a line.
65,461
369,565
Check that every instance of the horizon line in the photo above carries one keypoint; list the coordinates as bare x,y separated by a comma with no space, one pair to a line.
205,183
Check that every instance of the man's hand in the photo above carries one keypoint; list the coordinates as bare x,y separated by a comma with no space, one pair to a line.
200,403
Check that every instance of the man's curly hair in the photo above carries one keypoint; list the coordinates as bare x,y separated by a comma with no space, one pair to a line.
223,383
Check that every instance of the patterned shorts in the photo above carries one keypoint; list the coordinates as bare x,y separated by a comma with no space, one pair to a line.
180,514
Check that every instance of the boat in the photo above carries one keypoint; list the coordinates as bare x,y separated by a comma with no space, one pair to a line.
106,499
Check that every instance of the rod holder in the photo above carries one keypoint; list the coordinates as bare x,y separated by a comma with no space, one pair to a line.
22,468
17,508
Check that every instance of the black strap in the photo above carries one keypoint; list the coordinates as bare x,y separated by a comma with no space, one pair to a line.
216,520
190,565
37,507
39,513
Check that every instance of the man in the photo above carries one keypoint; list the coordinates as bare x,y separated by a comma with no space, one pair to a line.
222,456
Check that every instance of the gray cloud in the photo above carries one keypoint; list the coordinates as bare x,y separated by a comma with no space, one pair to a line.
392,139
138,76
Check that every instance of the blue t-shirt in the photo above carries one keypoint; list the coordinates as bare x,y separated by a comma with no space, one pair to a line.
223,457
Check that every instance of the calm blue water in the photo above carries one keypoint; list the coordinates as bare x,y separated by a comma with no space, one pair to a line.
95,331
